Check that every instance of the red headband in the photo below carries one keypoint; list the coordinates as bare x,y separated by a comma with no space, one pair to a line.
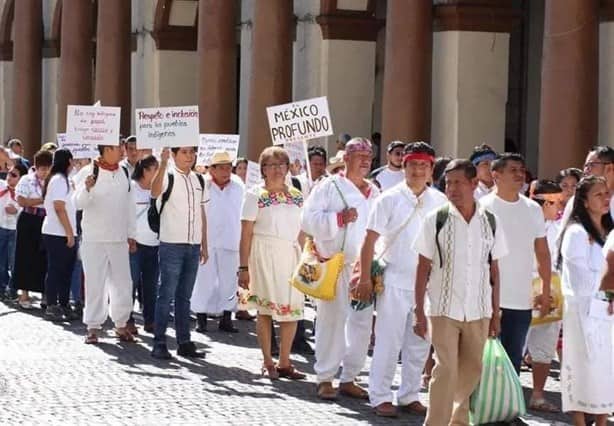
418,156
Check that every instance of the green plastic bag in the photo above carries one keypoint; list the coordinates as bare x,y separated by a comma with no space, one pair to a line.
498,397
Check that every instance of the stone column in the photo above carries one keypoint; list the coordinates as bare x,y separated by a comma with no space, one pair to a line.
271,69
570,83
217,52
76,57
406,109
113,57
27,85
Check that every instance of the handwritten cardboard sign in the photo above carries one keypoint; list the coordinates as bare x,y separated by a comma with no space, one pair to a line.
93,125
297,153
253,177
167,127
299,121
78,150
211,143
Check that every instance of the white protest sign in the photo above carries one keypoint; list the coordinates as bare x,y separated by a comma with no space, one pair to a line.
297,152
299,121
79,151
253,177
167,127
210,143
92,125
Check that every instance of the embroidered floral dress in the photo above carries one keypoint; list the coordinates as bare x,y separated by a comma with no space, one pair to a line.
275,252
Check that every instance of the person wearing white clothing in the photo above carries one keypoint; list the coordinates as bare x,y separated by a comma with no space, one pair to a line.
9,210
396,216
335,215
459,247
144,262
391,174
523,222
109,229
481,157
216,283
587,366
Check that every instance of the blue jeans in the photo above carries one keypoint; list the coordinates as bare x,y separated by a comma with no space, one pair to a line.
60,265
178,268
7,259
145,271
76,282
514,328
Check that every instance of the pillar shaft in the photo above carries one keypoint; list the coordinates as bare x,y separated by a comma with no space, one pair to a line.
217,51
271,76
406,109
570,84
113,57
76,57
27,83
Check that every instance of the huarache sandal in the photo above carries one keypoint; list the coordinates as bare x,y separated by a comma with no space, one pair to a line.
270,371
124,335
290,373
543,406
91,338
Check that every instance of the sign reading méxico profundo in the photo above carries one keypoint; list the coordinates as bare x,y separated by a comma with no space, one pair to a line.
299,121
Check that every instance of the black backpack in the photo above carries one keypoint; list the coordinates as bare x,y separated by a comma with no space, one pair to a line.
96,172
440,221
153,215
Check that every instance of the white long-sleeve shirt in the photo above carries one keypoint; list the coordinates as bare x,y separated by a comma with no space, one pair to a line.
109,214
319,218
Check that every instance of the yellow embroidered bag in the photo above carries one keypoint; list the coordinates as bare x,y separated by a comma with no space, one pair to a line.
315,276
556,301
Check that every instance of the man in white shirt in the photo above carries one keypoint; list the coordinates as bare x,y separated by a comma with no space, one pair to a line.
108,232
183,241
397,216
335,215
522,220
132,154
459,246
216,284
481,157
392,173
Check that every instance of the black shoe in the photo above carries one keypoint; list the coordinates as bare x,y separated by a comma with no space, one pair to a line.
68,314
161,352
54,313
302,347
188,350
201,323
78,309
228,327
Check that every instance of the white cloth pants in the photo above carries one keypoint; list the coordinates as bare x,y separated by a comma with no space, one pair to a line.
342,334
108,284
216,283
394,333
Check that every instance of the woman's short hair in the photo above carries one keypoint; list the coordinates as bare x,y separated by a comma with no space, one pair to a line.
273,152
43,159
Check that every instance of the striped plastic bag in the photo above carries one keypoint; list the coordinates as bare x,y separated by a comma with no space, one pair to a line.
498,397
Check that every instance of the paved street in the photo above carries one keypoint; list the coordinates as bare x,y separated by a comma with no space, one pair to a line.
49,376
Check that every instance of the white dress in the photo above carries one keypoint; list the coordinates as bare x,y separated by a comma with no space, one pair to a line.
587,372
275,252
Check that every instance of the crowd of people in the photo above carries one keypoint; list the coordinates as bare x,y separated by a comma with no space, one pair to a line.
470,248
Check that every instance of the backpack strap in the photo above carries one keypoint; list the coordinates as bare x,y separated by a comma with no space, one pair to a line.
296,183
166,195
376,172
440,221
95,171
127,173
201,180
493,226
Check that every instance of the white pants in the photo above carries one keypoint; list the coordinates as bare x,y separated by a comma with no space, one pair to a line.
342,334
216,283
394,333
542,340
108,284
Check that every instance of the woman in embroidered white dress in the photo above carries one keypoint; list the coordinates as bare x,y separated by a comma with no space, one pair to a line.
269,253
587,370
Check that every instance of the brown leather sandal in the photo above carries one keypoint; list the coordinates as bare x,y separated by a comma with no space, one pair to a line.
291,373
124,335
91,338
270,371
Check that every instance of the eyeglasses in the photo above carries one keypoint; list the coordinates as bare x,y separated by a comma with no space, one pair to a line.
592,164
275,166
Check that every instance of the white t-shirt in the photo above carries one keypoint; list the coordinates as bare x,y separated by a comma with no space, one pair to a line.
59,189
7,221
522,222
388,178
482,190
144,234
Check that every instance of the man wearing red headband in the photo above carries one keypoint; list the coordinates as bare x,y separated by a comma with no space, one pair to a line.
396,217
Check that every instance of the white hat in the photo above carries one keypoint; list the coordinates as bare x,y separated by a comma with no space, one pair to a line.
220,157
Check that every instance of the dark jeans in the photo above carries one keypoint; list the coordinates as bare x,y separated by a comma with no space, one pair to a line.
60,265
145,271
7,259
178,268
514,328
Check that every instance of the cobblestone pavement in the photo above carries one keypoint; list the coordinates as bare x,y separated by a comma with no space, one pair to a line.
49,376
